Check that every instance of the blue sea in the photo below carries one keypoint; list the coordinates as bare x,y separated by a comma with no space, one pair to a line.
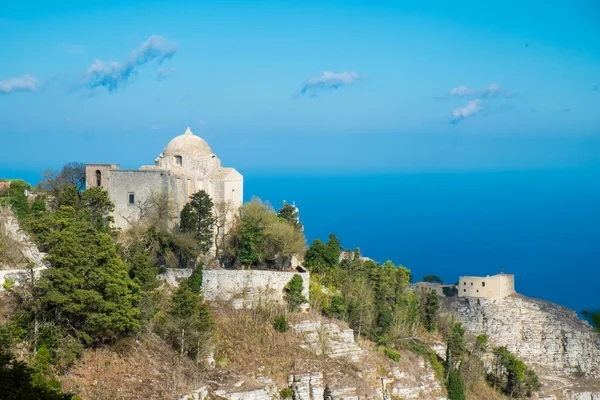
541,225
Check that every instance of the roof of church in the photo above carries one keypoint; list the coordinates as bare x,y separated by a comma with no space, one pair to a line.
187,144
221,173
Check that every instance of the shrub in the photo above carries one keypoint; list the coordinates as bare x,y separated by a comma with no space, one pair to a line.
391,353
280,324
286,393
8,283
293,293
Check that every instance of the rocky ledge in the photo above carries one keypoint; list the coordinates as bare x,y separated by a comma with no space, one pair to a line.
545,335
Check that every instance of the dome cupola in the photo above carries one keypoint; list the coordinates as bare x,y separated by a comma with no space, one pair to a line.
188,145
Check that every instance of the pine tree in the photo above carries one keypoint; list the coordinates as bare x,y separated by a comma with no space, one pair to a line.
88,289
432,307
197,217
455,386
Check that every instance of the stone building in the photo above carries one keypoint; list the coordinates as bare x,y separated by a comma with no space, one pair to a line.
491,287
185,166
441,289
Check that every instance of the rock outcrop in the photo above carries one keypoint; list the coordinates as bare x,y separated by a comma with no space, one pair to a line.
20,242
547,336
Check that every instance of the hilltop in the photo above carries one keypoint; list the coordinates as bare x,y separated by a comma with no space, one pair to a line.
153,312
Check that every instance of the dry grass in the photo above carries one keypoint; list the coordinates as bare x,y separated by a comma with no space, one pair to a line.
149,369
482,391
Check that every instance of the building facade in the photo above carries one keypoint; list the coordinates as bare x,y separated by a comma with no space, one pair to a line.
185,166
491,287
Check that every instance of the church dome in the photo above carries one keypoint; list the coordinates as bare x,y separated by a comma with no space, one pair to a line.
187,144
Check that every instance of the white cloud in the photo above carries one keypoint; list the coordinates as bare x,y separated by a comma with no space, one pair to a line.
25,83
472,108
462,91
491,90
111,74
327,81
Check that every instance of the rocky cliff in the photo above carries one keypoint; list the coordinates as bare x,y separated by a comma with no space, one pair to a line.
563,349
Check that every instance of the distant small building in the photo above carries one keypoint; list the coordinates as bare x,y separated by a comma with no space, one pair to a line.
491,287
441,289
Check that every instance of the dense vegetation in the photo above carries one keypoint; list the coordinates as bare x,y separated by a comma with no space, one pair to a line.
373,299
102,286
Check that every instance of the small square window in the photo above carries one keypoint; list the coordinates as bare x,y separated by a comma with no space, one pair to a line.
464,290
465,283
178,160
477,290
483,284
471,283
131,198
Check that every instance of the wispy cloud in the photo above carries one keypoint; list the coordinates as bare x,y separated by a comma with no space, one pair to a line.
472,108
111,74
491,90
25,83
327,81
480,98
164,73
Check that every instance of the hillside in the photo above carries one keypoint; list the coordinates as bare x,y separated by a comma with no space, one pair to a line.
564,349
150,313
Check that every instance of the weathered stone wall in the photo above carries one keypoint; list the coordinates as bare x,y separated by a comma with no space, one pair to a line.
139,183
244,287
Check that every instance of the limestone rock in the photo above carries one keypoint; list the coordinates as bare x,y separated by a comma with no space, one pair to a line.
329,338
549,337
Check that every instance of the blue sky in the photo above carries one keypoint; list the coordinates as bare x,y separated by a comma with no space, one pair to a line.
352,85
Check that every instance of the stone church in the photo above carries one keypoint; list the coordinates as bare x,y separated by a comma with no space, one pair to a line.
185,166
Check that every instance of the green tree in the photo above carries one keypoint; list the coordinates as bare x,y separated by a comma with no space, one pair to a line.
455,386
16,198
432,279
88,289
197,217
455,347
293,293
322,257
142,265
19,381
432,307
192,323
289,213
195,280
96,206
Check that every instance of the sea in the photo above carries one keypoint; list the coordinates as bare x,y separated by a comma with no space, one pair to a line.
543,226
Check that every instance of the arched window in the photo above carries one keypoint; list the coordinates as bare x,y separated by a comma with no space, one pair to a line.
98,178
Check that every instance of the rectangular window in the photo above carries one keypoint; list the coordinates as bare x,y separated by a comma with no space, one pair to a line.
178,160
131,198
465,283
464,290
483,284
471,283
